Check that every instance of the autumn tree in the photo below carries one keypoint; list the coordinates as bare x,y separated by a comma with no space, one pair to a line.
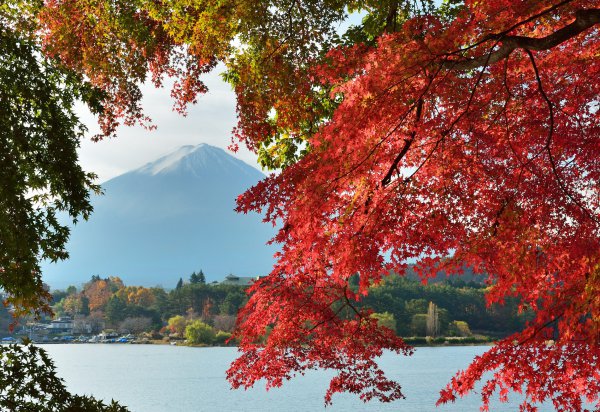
136,295
98,291
77,304
177,325
452,135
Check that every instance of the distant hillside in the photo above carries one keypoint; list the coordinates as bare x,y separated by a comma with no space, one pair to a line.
168,218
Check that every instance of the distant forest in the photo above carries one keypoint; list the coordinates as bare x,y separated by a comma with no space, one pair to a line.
444,307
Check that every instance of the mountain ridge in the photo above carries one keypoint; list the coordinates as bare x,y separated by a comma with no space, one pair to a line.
168,218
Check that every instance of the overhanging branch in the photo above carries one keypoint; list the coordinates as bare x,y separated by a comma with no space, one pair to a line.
407,143
584,19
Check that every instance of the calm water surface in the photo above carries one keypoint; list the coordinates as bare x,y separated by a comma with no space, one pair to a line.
156,378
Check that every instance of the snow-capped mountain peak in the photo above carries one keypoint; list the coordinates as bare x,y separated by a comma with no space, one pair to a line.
168,218
170,160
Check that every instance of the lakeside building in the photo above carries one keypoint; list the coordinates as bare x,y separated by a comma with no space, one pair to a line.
232,279
43,331
61,325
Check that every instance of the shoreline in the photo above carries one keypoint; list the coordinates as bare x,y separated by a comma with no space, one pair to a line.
162,343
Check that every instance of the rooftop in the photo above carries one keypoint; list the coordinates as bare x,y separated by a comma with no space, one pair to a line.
232,279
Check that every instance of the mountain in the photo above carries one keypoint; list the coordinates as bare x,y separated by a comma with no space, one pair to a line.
167,219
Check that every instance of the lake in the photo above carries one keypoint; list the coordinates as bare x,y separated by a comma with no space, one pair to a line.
157,378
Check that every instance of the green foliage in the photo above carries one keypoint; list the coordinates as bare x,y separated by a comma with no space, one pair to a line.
385,319
222,337
58,309
232,302
417,306
115,310
449,9
201,277
28,382
194,278
418,326
58,295
197,278
405,298
198,332
459,328
208,300
74,304
400,304
85,305
40,174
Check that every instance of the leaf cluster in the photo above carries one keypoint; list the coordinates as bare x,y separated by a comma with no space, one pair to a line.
28,382
40,174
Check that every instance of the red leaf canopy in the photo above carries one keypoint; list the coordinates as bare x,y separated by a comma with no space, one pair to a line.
467,135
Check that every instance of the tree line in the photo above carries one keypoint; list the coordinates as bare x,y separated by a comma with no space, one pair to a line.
405,305
409,301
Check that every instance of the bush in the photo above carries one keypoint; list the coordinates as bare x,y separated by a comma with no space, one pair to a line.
459,328
221,337
416,340
475,339
177,324
199,332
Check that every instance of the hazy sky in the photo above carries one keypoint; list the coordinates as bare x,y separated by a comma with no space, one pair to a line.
209,121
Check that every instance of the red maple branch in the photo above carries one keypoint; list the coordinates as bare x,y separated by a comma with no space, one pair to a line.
584,19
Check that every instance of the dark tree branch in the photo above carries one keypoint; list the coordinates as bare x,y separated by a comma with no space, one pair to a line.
390,21
407,143
388,177
584,19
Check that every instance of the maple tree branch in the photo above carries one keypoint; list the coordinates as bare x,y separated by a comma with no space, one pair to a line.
333,317
407,143
498,215
388,176
584,19
390,21
513,27
349,304
542,327
446,132
549,140
330,318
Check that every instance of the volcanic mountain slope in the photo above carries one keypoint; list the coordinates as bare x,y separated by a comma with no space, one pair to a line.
167,219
